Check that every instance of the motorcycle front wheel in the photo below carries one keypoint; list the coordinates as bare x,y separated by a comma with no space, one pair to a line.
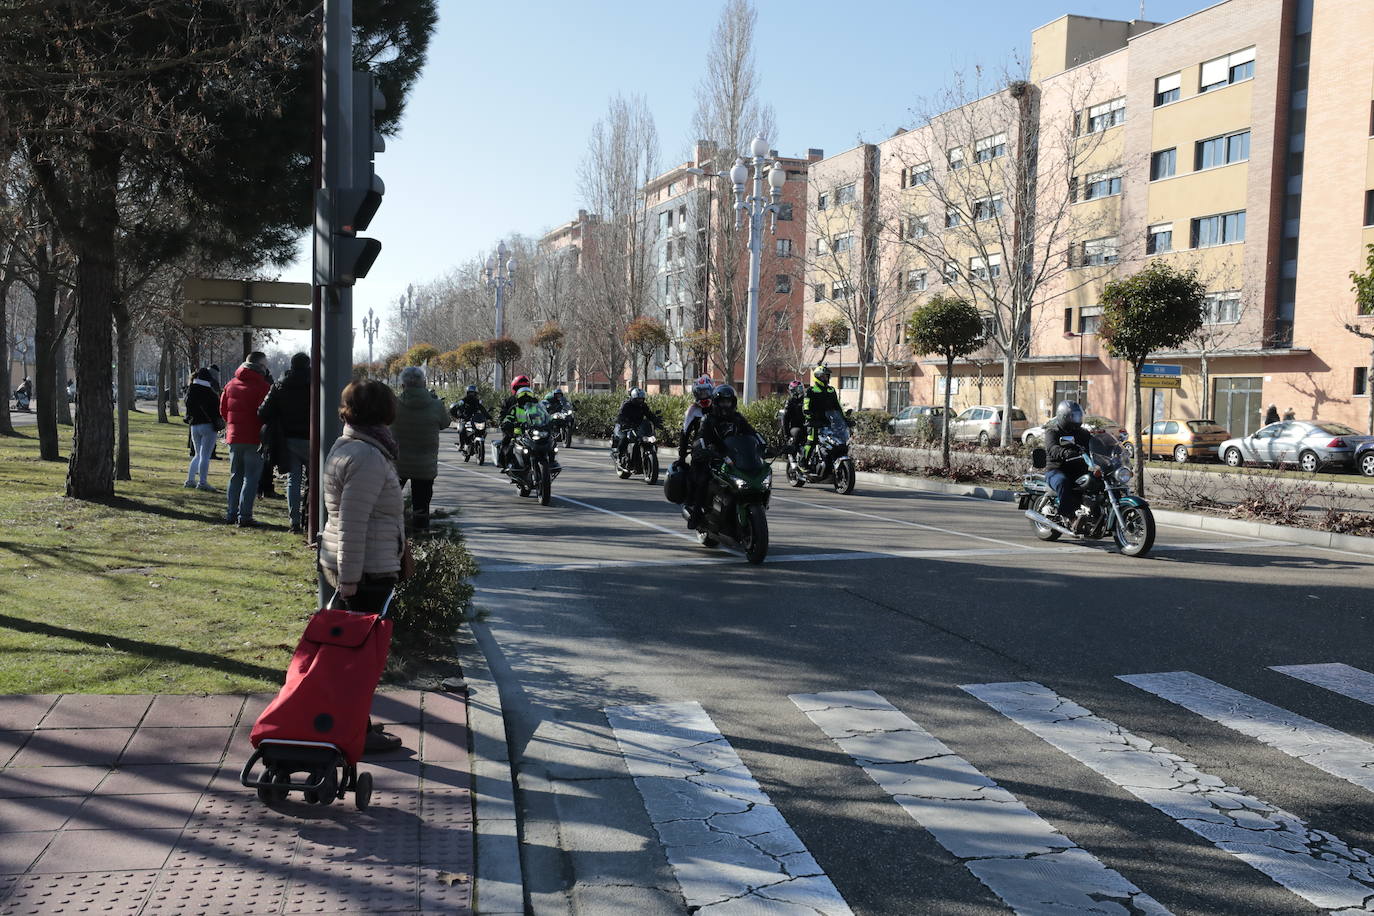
545,486
1044,532
650,462
844,478
1139,534
481,453
754,537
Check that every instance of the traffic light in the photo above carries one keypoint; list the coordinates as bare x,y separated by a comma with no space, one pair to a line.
343,212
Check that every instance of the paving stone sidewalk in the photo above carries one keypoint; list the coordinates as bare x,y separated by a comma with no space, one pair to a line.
132,804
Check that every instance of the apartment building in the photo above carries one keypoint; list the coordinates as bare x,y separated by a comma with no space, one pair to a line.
1236,141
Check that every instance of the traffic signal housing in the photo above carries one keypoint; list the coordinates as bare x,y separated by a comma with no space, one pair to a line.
341,213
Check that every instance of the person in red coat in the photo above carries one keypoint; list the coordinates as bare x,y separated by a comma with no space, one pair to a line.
238,404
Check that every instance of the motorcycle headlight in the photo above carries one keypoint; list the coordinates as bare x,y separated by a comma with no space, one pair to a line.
650,439
1123,475
739,484
536,434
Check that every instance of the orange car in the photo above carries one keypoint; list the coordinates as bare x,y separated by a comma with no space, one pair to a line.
1183,440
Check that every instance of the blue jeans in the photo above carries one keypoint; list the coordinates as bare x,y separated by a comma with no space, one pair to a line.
245,467
203,439
1069,496
297,457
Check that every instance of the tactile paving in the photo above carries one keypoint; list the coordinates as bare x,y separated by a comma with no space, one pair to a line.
77,892
354,887
446,890
243,845
219,891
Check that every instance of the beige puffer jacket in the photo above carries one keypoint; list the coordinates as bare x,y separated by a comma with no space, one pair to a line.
365,530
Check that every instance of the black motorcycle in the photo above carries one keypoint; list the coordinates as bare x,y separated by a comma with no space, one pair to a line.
562,421
1109,507
736,509
830,461
472,440
532,463
638,453
21,401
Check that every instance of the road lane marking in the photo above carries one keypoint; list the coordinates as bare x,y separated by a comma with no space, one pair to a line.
934,554
1338,678
1019,856
1332,751
1313,864
727,843
899,521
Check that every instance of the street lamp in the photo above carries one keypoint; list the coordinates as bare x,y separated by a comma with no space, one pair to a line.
755,206
1069,335
500,274
406,306
370,324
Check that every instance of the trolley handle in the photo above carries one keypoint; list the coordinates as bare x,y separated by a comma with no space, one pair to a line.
386,605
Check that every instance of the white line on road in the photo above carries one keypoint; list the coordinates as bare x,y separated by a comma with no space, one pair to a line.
729,846
1325,748
1018,855
1313,864
1338,678
773,558
899,521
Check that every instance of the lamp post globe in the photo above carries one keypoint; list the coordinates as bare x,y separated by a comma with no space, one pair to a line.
759,147
777,177
739,174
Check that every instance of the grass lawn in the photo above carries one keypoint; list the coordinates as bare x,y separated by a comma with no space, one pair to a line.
146,593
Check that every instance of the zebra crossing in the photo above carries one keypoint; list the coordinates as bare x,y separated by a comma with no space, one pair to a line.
732,850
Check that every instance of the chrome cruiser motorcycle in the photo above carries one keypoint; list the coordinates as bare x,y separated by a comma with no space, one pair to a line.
1109,507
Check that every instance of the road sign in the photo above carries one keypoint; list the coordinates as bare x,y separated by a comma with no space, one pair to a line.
224,315
1161,381
259,292
1160,370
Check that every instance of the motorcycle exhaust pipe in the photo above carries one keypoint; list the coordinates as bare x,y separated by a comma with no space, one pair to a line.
1041,520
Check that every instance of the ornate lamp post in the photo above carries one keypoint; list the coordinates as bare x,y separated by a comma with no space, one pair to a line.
500,274
755,205
370,324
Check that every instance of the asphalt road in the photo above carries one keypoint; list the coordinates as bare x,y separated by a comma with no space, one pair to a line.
608,623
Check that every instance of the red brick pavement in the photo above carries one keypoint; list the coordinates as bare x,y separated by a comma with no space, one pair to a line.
132,804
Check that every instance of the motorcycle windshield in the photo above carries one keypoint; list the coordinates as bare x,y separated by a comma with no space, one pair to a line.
533,417
1105,449
836,426
745,453
646,429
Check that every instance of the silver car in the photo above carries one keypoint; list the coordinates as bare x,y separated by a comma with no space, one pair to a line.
1309,445
918,420
984,424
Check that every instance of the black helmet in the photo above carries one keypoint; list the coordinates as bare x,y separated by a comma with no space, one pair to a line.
471,392
1069,415
723,401
637,394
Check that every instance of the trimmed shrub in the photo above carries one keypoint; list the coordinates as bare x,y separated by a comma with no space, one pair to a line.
431,605
871,425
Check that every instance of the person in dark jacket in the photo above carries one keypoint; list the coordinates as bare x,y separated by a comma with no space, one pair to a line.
286,412
1271,415
468,410
1065,440
202,415
420,414
792,417
632,413
723,421
818,401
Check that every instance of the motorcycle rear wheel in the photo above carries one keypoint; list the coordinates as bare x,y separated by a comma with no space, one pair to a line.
1139,535
1044,532
844,478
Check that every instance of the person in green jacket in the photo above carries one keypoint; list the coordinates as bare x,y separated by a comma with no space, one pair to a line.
420,414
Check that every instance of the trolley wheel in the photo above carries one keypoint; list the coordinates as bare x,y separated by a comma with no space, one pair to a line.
362,792
327,792
271,795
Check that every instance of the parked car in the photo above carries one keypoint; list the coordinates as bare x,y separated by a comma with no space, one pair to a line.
983,424
918,420
1311,445
145,392
1183,440
1364,459
1036,434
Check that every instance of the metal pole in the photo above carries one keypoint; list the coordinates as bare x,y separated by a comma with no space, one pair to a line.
1080,366
751,335
500,321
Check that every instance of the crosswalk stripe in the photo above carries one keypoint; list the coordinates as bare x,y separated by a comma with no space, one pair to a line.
1019,856
729,846
1338,678
1325,748
1313,864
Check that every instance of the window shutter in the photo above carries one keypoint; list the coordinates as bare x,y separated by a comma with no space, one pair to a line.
1215,71
1068,321
1167,83
1241,57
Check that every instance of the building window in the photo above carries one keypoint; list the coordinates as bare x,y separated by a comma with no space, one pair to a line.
898,393
919,175
1221,308
1167,89
840,291
955,155
915,281
1361,386
1159,238
818,292
988,207
672,189
1222,150
1369,208
1102,184
844,195
952,218
844,338
783,248
1098,252
843,242
990,148
951,273
1162,164
782,284
1105,115
1089,320
823,201
989,268
1070,391
849,383
784,212
1223,71
913,227
665,222
1223,229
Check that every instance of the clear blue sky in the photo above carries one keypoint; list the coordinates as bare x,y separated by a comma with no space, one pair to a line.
498,123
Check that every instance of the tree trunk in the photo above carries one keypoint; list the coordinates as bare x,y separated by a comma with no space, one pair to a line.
1139,424
944,424
45,341
162,384
64,407
1205,374
863,363
1008,394
124,354
6,424
173,377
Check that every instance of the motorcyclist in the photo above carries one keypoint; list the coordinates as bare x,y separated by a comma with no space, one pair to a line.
1066,440
702,389
632,413
508,405
556,401
513,420
817,402
723,421
792,418
24,393
469,409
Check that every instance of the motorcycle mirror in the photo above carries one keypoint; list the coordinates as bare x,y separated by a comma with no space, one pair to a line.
1066,440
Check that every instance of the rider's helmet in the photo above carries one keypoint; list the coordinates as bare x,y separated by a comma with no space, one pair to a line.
794,389
637,394
821,375
525,394
1069,415
471,392
724,401
520,381
702,389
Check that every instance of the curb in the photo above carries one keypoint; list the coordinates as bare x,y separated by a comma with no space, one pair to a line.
499,885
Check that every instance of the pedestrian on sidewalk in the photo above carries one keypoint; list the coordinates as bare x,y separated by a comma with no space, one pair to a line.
420,414
363,543
273,452
238,404
1271,415
287,412
1290,414
202,416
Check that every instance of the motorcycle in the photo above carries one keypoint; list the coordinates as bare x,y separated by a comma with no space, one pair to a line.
21,401
532,463
638,453
472,440
737,498
830,460
562,426
1109,507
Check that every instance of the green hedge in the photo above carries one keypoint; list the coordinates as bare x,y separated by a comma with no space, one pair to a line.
596,414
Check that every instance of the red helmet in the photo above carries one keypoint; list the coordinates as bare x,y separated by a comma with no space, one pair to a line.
520,381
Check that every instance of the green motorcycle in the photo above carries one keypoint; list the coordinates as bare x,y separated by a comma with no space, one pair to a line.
736,508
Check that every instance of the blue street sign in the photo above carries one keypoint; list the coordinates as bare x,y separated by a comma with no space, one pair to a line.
1160,370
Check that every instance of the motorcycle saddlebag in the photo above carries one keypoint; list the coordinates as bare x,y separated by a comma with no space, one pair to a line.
329,685
675,483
